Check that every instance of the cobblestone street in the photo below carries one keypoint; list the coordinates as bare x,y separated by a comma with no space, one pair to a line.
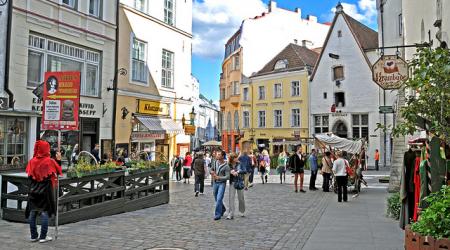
276,218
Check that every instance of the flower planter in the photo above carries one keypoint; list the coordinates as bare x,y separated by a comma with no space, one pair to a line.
416,241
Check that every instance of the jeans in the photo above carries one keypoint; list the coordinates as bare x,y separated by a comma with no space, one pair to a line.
342,187
232,194
312,180
252,173
377,167
219,192
199,185
178,174
326,182
44,224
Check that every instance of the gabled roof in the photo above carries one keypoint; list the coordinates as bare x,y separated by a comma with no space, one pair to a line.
365,37
297,57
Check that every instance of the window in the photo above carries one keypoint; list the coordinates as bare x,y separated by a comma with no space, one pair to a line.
246,119
236,62
295,118
245,95
13,142
262,93
281,64
261,119
321,124
169,10
70,3
277,92
338,73
236,88
222,94
167,69
140,5
228,91
138,61
236,120
295,88
360,126
50,55
229,121
95,7
278,118
324,95
35,73
400,25
339,33
339,99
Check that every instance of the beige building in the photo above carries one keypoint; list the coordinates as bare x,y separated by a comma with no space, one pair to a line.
58,35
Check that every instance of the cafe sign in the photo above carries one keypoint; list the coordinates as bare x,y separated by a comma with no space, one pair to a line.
145,136
390,71
152,108
189,129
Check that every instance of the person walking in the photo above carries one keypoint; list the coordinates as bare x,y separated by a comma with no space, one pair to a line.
96,152
377,159
362,160
177,167
314,168
42,172
281,169
297,165
327,166
199,174
252,172
187,162
246,163
266,159
220,173
340,171
237,172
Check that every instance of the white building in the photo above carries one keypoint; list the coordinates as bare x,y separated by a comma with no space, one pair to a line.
402,22
207,121
157,42
59,35
343,98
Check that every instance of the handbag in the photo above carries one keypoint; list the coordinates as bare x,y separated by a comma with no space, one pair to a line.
348,169
238,183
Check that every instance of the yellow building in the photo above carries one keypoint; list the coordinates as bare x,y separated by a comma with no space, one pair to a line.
274,105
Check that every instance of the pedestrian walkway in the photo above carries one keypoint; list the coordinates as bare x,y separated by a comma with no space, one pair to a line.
276,218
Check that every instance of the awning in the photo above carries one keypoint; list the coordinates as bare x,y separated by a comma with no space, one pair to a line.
160,125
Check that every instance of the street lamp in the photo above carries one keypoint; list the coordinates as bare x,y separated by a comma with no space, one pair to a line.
192,117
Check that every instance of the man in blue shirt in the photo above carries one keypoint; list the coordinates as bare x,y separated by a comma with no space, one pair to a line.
314,168
246,163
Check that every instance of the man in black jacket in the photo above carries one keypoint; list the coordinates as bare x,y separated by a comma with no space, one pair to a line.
199,171
297,164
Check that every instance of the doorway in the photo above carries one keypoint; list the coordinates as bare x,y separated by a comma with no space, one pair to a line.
340,129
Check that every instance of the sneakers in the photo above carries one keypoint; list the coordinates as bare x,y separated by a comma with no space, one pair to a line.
48,238
202,194
242,215
196,194
302,191
229,217
34,240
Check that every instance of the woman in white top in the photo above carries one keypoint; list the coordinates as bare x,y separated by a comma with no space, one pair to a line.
340,171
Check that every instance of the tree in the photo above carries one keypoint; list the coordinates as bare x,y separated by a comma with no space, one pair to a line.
429,105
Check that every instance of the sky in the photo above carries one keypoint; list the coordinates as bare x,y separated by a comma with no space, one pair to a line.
214,21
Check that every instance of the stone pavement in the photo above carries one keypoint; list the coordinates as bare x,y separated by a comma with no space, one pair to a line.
276,218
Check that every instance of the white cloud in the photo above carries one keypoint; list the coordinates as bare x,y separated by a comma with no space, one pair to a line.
214,21
365,11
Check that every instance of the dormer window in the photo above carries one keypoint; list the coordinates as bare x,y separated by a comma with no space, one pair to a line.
281,64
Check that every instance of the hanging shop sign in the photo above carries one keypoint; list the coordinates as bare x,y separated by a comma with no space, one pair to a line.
61,101
152,108
189,129
390,72
144,136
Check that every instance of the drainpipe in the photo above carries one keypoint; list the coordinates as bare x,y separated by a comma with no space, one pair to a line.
384,91
8,54
116,79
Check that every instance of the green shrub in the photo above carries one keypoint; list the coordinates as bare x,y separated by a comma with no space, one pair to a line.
435,219
393,206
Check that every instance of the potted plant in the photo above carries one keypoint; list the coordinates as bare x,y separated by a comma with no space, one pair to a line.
432,229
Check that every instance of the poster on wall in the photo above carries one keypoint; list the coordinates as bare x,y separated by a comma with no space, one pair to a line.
61,101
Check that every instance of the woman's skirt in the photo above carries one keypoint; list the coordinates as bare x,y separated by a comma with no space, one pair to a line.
186,172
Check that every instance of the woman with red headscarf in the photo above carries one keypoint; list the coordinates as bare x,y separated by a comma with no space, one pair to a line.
42,172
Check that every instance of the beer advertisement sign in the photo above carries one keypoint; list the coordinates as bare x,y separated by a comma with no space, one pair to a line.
390,72
61,101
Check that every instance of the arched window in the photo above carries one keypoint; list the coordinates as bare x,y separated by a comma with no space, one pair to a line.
229,121
281,64
236,120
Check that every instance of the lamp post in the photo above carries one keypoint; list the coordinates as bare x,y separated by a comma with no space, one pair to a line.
192,117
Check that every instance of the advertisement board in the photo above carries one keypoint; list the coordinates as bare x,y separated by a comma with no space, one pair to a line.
61,101
390,72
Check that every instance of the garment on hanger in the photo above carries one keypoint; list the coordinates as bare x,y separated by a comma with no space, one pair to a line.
416,186
438,165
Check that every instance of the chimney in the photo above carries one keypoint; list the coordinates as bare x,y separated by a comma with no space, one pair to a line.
299,12
272,5
339,8
312,18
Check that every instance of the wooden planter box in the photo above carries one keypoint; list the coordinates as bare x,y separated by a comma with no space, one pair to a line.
416,241
91,196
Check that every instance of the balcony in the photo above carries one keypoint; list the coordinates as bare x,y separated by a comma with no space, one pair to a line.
235,99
